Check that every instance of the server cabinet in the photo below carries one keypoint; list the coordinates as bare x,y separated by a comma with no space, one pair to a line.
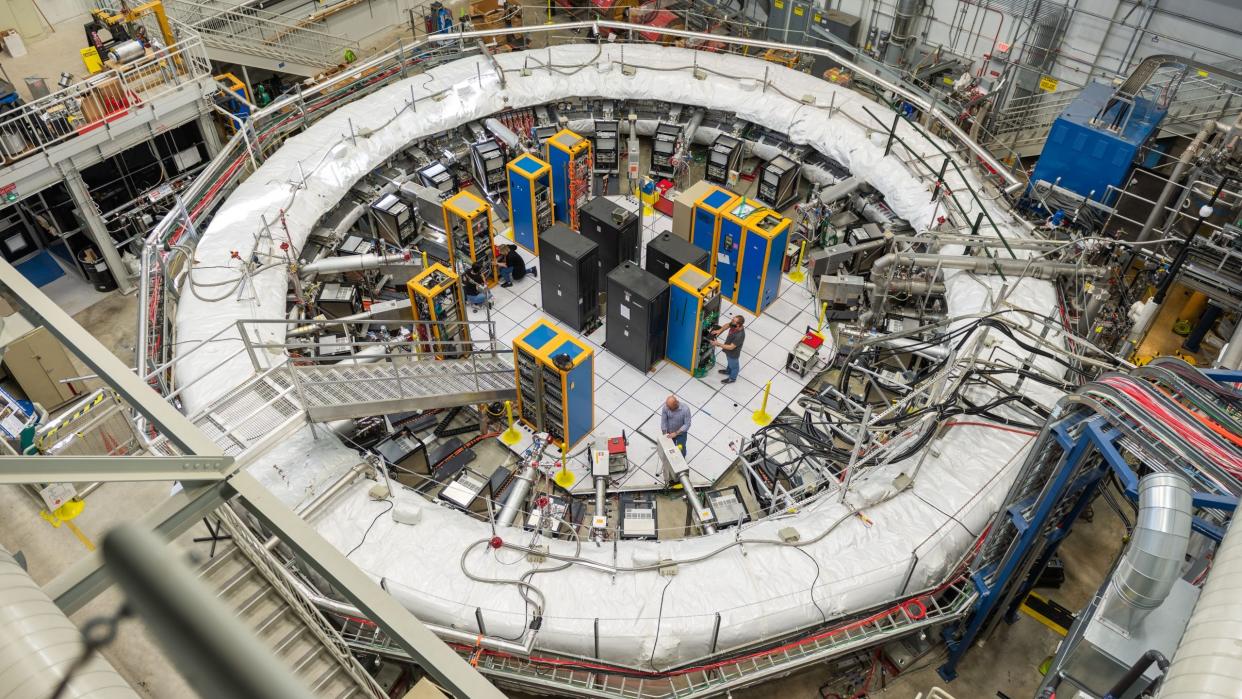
569,276
439,310
569,156
487,163
614,229
663,146
724,157
569,390
529,349
766,233
607,149
706,219
693,309
468,227
778,182
530,200
395,221
667,254
637,324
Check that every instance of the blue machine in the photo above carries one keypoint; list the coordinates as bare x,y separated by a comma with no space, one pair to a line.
569,390
1087,158
693,308
763,251
569,156
530,200
705,221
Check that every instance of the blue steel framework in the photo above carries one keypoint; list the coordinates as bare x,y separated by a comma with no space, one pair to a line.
1030,528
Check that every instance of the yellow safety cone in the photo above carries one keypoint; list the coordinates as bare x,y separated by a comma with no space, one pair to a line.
510,436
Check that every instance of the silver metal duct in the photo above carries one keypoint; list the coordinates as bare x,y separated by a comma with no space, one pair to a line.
1038,269
39,643
1153,561
504,133
1208,661
352,263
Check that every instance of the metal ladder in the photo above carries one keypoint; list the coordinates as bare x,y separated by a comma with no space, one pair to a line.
244,578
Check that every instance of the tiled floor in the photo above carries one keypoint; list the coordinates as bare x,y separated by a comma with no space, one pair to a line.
629,400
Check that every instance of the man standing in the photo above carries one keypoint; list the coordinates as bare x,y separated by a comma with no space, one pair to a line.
675,422
732,347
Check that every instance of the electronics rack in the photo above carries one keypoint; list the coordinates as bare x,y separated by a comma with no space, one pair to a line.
663,146
438,177
724,157
530,200
569,155
528,353
436,297
468,224
778,182
487,163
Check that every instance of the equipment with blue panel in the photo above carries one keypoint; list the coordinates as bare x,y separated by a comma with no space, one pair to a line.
530,200
705,219
766,234
529,349
569,156
1093,144
693,309
569,391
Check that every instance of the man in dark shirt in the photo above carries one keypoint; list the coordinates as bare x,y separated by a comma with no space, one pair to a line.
732,347
512,266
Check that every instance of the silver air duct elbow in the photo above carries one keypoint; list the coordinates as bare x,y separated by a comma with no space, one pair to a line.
1208,660
40,644
1153,561
504,133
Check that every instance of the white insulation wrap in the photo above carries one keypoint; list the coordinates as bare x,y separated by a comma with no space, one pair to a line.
759,589
39,644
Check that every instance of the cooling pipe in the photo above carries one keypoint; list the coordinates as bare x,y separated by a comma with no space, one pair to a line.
1208,660
695,503
40,644
1038,269
1175,180
1153,561
354,263
504,133
521,485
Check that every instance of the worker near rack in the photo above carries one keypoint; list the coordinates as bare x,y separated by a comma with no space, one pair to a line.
731,345
475,288
512,266
675,422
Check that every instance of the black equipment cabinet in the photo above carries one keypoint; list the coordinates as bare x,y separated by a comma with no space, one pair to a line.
614,229
637,315
569,276
668,253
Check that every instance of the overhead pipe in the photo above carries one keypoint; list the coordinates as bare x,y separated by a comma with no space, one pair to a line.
1179,171
945,121
312,328
1037,269
1153,561
41,645
504,133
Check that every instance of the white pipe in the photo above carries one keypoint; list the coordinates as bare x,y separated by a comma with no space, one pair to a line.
354,263
1208,660
39,644
504,133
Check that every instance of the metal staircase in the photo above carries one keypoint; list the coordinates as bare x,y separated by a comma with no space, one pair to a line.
245,579
260,38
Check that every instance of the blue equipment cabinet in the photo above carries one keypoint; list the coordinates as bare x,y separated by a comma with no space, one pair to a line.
569,390
530,200
569,156
529,350
693,309
1088,158
759,266
705,221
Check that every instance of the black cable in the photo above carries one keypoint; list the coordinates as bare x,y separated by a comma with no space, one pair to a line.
823,617
659,619
946,514
391,504
96,633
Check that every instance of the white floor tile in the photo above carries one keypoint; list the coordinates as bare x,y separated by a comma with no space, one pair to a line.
608,397
782,310
607,364
704,426
722,408
789,336
671,376
696,392
742,392
786,387
728,441
628,378
759,373
765,327
743,424
634,415
709,465
651,393
518,310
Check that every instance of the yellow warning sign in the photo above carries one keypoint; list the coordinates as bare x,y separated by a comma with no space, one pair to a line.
780,5
799,10
1047,83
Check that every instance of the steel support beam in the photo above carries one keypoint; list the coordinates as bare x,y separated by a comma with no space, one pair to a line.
106,469
95,226
432,654
42,311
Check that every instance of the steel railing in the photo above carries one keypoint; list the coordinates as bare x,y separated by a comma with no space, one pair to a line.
102,98
249,30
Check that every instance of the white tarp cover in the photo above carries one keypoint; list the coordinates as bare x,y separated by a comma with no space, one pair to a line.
758,589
